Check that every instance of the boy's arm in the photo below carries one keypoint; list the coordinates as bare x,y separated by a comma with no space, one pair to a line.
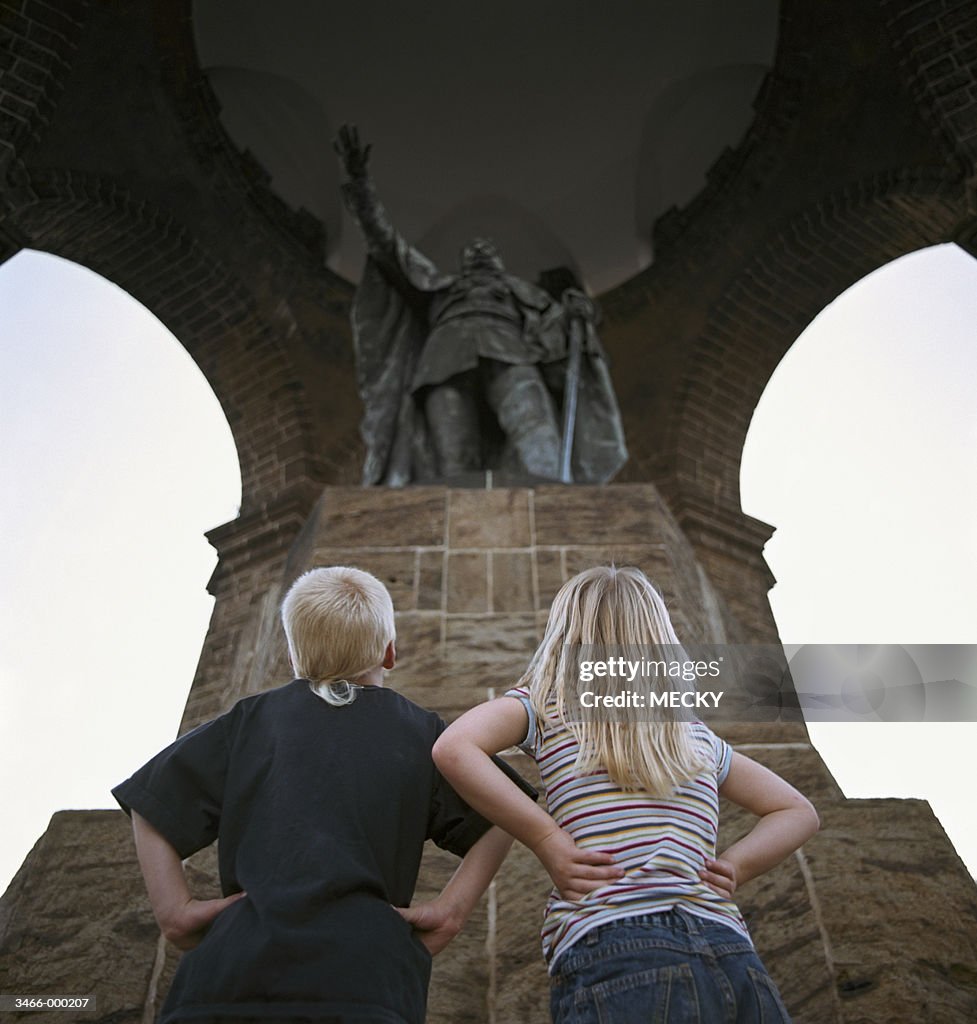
462,755
787,821
440,920
182,919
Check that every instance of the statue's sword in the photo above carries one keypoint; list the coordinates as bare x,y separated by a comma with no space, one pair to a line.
570,390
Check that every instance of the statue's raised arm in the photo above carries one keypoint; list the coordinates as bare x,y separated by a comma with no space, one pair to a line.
362,202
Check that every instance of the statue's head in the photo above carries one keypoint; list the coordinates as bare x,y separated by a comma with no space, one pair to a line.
481,254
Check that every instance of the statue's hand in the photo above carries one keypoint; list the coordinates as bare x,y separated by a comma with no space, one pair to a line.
577,305
354,156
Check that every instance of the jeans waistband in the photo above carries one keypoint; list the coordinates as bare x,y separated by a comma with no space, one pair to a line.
676,918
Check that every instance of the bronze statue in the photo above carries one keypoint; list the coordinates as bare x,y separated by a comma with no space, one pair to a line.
473,371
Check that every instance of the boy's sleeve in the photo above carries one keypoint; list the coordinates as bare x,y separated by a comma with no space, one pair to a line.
453,825
180,791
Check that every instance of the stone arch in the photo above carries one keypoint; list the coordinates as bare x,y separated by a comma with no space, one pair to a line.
189,91
100,224
135,240
802,268
38,47
935,43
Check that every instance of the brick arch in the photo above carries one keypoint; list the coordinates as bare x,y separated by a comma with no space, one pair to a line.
233,170
282,263
937,47
149,251
37,46
819,254
98,223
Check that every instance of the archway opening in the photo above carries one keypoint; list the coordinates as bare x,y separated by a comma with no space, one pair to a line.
116,458
861,454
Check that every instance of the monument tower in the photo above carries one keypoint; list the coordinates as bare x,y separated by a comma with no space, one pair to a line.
712,174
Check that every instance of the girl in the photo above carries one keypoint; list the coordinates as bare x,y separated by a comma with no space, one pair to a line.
656,937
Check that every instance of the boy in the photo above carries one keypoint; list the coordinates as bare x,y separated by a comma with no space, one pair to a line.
323,793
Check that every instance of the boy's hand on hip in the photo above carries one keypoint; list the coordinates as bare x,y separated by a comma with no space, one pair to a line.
574,871
435,923
720,876
186,925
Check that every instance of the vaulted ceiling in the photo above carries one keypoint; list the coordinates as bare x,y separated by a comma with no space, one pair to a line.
563,130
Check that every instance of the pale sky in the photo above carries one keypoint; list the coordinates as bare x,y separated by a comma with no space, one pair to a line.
863,453
116,458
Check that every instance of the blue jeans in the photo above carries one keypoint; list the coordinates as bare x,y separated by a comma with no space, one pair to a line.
668,967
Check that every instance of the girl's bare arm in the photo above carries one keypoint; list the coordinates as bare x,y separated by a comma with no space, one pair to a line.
462,755
787,821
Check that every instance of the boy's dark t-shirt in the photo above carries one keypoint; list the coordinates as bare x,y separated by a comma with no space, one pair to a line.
322,813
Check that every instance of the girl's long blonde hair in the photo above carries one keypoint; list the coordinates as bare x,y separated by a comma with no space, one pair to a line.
610,608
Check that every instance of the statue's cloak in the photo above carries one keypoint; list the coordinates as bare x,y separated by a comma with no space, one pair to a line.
390,326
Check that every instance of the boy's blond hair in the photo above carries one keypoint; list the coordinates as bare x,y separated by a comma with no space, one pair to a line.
338,622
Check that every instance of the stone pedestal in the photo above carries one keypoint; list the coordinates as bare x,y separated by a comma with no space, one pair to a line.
872,922
75,920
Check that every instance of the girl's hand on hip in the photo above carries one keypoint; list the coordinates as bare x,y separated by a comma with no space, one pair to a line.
720,876
575,872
